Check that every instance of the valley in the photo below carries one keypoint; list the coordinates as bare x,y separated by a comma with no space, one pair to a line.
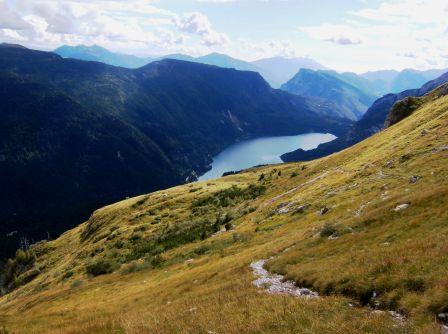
99,133
223,167
365,228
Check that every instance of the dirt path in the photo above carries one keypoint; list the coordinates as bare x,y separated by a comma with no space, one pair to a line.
274,283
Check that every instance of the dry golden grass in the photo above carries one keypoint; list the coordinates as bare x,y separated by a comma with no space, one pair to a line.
402,256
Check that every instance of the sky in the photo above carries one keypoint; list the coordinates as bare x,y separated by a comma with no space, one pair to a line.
345,35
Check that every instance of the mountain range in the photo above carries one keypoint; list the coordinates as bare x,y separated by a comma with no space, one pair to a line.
275,70
397,81
100,54
77,135
372,122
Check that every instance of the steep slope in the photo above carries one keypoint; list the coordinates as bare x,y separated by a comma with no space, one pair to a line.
279,70
372,122
347,100
84,134
366,226
100,54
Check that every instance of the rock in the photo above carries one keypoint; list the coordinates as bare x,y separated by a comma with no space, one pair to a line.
414,179
444,329
398,317
302,208
323,211
440,149
274,284
385,195
401,207
284,208
389,164
402,109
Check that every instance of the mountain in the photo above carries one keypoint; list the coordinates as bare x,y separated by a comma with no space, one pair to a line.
77,135
366,229
409,79
390,81
274,70
372,122
100,54
225,61
178,56
347,99
279,70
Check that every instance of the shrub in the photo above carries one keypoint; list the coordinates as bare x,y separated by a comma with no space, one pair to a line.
328,230
240,237
67,274
156,261
202,250
77,283
101,267
133,267
4,330
26,277
415,284
230,196
23,257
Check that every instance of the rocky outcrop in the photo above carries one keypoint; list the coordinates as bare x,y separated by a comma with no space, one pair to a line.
402,109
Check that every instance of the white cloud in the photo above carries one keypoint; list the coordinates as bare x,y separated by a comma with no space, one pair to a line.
132,25
199,24
335,33
10,19
399,33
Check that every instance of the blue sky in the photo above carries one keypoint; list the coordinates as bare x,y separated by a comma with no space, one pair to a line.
347,35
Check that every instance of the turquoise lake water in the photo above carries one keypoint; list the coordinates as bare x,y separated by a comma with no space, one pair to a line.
260,151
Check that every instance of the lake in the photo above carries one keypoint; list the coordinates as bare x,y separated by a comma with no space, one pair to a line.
260,151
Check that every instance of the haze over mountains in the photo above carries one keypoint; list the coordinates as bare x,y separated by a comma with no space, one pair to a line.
275,70
76,135
347,99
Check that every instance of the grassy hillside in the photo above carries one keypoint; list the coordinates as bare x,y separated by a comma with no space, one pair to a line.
368,221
